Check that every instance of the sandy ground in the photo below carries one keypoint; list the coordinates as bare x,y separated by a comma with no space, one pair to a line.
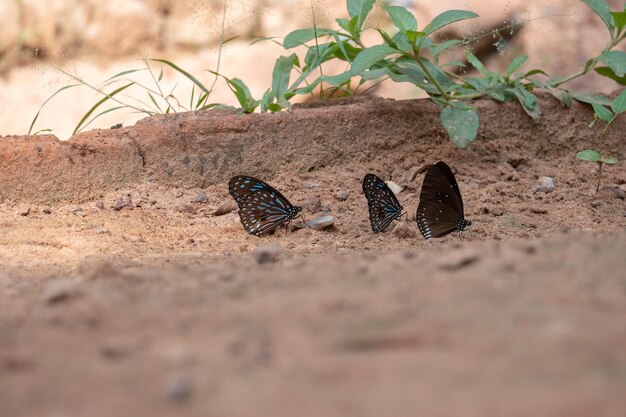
142,302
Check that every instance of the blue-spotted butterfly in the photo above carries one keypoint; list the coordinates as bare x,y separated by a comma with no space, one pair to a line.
440,210
382,203
262,208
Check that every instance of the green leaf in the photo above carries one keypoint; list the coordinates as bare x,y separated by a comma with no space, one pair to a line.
591,98
242,93
316,55
282,73
616,60
102,113
360,9
411,72
603,11
413,36
32,124
349,25
446,18
402,18
619,104
602,112
79,126
528,101
517,62
608,72
121,74
588,155
472,59
461,122
535,72
301,36
609,161
185,73
438,49
620,19
369,57
346,51
563,96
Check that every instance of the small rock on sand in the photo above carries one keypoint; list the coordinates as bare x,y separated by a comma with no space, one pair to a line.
545,185
267,253
403,231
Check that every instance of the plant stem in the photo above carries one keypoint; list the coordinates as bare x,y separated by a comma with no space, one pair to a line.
219,51
416,56
599,176
592,63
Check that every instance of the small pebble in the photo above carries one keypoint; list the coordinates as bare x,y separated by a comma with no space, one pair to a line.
458,259
403,231
225,208
47,210
99,205
395,188
342,195
104,231
321,222
267,253
618,193
596,204
186,208
23,211
545,185
122,202
201,198
179,389
60,290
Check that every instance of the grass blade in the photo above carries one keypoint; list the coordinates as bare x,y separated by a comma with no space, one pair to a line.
30,129
185,73
79,126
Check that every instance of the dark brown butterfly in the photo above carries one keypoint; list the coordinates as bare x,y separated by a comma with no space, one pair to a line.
440,210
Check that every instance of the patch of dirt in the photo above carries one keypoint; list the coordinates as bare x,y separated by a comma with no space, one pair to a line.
121,293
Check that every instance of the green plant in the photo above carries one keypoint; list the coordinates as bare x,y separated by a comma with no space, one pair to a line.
412,55
604,115
405,54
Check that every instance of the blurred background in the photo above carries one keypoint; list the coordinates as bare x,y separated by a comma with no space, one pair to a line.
47,44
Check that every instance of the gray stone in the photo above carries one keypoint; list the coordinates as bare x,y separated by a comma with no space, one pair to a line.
342,195
545,185
320,223
201,198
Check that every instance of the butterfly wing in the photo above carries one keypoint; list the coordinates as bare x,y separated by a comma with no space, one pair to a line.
440,210
383,205
241,185
262,208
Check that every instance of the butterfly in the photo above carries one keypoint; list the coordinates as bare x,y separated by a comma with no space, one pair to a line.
382,203
262,208
440,210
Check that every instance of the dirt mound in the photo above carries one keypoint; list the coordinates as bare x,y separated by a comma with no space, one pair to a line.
206,148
